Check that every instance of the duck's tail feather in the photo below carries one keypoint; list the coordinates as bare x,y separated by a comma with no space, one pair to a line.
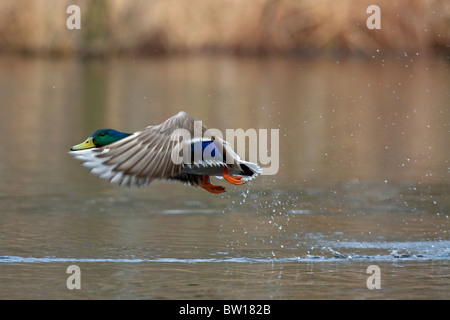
250,170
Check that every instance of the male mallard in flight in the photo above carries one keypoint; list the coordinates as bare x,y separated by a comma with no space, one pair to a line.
135,159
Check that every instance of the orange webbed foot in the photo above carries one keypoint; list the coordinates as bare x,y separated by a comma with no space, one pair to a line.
208,186
237,180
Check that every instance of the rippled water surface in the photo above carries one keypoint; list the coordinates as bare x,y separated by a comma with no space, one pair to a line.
363,180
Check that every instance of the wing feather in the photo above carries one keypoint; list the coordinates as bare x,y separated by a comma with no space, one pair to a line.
144,156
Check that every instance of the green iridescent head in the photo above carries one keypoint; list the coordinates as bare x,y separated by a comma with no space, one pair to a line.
100,138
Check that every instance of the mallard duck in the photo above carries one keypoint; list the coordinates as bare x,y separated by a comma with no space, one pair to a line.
136,159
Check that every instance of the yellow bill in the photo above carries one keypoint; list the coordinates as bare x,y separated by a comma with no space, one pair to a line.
88,144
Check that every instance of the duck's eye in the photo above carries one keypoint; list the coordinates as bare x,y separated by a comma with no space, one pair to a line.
102,134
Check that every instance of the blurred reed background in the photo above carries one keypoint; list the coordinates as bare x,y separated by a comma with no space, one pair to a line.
148,27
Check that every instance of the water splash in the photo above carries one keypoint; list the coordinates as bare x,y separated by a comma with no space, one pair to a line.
394,251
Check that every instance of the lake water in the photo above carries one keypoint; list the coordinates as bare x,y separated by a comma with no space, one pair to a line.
363,180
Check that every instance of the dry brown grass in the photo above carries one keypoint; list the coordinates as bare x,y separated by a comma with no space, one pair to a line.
236,26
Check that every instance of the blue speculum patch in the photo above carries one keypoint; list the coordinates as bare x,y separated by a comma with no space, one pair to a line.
208,150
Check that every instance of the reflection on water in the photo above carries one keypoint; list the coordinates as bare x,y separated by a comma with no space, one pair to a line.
363,180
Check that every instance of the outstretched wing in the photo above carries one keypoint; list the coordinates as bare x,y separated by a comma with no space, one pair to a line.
143,156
